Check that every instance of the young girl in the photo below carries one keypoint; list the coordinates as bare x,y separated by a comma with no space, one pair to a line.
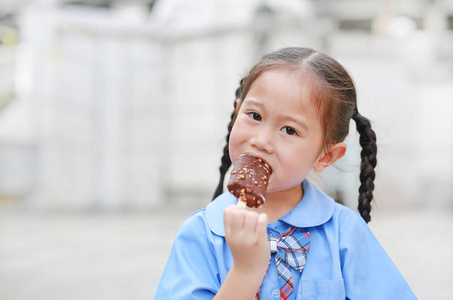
293,111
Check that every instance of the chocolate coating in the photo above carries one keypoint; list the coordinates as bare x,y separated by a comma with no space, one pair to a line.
249,179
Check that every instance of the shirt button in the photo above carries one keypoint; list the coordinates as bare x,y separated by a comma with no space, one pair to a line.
276,294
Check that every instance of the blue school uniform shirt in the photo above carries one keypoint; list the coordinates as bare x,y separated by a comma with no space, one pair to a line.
345,260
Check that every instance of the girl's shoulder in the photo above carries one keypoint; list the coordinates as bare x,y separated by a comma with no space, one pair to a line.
209,220
345,214
349,228
195,230
347,219
195,222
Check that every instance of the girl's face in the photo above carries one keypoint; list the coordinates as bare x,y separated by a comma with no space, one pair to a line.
278,122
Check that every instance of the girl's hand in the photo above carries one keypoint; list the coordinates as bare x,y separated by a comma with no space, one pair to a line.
246,236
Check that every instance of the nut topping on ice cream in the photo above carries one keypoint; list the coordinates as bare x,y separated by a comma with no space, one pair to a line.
249,180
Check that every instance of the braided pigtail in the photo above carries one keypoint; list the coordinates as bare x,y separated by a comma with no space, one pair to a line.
369,161
226,161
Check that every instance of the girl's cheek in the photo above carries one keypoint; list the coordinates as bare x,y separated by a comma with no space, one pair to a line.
233,147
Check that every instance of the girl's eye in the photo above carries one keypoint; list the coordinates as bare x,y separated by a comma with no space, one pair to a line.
255,116
289,130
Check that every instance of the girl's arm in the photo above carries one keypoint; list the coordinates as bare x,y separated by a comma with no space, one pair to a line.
246,236
368,271
192,270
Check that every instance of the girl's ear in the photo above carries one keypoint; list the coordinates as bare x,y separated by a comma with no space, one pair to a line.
335,152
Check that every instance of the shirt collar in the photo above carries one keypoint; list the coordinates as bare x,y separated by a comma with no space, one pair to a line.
314,209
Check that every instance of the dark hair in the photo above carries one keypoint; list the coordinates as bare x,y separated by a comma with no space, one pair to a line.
334,94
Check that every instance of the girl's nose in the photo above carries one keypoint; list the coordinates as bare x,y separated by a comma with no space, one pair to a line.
263,140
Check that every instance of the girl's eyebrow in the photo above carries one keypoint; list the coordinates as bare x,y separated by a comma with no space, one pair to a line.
298,121
253,102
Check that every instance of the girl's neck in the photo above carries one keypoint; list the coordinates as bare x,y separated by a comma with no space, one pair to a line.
278,204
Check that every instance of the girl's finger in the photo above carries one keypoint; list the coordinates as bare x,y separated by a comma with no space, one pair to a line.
227,219
250,221
261,226
236,218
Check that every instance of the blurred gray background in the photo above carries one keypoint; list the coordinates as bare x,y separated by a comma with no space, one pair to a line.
113,115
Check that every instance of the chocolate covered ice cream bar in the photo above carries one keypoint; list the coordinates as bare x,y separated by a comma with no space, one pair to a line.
249,180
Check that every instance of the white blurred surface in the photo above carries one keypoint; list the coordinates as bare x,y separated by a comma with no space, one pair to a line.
117,111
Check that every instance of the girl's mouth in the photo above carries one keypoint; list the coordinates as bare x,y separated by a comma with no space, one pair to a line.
267,166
